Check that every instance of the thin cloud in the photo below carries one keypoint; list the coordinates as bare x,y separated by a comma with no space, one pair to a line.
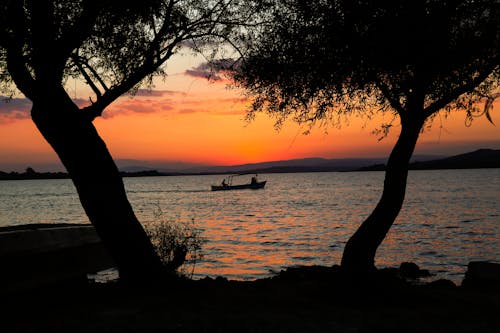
214,105
13,116
213,70
138,107
14,109
80,102
232,112
147,102
234,99
156,93
189,111
8,105
204,73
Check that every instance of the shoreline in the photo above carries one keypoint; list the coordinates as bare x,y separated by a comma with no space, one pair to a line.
4,176
307,299
55,243
298,299
478,159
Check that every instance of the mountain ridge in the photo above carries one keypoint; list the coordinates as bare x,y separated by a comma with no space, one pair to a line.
294,165
480,158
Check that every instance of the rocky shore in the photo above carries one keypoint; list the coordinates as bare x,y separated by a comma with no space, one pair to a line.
305,299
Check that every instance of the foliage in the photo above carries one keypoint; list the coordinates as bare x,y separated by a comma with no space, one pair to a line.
178,244
321,60
114,48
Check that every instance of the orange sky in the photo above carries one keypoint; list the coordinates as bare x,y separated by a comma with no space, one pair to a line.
189,119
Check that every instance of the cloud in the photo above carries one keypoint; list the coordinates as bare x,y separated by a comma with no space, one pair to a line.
14,109
225,64
230,112
205,73
213,70
188,111
137,107
80,102
14,104
155,93
234,99
144,102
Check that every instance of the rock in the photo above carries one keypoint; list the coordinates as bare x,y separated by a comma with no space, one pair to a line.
409,270
221,279
442,283
38,255
482,275
424,273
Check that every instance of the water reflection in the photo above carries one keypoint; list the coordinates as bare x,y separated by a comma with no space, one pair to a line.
449,217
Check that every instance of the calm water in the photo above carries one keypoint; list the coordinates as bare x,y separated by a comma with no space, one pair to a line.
450,217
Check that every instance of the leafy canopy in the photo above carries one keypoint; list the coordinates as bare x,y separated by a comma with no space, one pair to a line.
320,60
110,45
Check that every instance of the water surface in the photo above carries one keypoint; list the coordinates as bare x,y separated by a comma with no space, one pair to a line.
449,218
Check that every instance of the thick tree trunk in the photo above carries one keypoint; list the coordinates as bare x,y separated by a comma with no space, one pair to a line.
359,252
98,183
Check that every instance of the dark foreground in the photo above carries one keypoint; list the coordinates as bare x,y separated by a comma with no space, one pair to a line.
315,299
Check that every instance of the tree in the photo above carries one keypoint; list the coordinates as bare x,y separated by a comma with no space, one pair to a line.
321,60
114,47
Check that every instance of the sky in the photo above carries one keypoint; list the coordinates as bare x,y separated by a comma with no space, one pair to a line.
186,118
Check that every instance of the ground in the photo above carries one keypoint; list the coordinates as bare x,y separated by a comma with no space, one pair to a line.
308,299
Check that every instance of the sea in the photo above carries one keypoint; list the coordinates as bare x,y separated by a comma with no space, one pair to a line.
449,218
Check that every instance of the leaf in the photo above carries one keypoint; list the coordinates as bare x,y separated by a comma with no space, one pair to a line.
489,105
488,116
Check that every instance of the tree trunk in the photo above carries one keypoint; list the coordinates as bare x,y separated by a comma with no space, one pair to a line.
97,181
359,252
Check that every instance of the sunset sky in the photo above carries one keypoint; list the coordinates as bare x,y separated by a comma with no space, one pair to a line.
186,118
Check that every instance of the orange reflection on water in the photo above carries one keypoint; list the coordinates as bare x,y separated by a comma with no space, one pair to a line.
448,218
259,246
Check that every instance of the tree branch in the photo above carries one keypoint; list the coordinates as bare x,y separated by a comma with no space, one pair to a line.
88,79
149,66
160,49
387,94
16,62
454,94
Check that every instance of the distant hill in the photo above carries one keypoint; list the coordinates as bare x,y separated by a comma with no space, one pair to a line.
314,164
129,165
296,165
482,158
32,174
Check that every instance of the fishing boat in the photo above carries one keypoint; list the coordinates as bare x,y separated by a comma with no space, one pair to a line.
227,184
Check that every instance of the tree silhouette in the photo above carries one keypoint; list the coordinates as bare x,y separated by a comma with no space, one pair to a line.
114,47
321,60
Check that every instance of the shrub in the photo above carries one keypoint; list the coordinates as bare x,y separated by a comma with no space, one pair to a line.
178,244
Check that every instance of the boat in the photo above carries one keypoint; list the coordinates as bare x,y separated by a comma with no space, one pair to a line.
239,187
227,184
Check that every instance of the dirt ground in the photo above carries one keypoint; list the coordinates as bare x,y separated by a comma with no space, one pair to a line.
314,299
